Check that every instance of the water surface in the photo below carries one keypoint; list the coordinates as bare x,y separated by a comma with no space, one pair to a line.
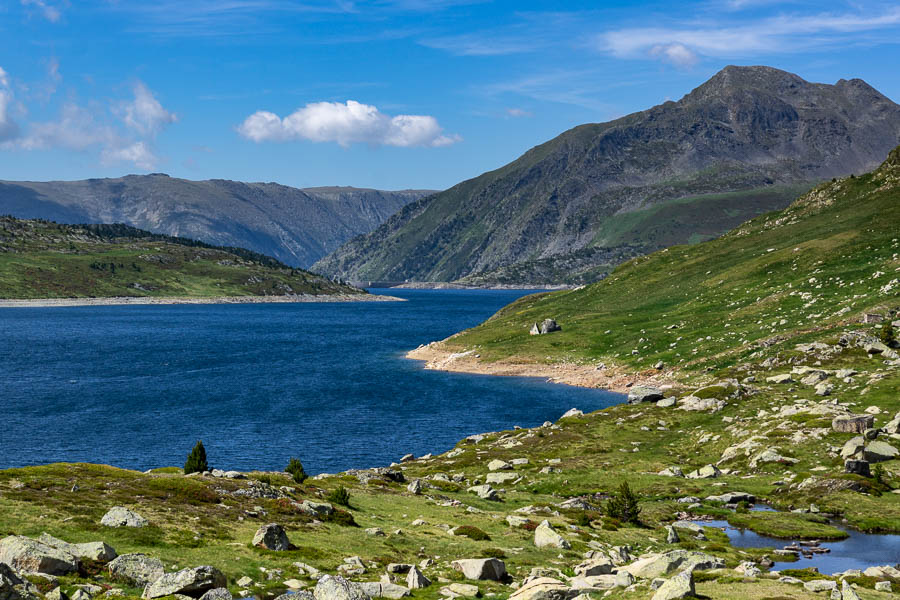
136,386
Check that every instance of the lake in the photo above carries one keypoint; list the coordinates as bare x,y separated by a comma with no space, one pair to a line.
136,386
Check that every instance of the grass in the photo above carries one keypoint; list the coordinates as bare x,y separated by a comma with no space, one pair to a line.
787,525
40,259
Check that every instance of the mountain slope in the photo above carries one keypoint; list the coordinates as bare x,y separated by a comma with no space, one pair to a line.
782,278
296,226
745,142
41,259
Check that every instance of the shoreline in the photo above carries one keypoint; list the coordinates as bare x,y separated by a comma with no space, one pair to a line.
449,285
150,300
438,358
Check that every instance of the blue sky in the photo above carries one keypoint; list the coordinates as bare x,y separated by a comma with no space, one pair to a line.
390,93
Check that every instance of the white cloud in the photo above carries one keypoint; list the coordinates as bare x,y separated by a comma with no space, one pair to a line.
518,112
76,129
784,33
47,9
138,153
675,53
145,114
346,124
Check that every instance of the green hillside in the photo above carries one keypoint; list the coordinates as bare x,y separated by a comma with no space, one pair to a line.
42,259
780,279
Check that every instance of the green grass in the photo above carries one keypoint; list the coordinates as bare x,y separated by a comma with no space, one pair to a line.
40,259
787,525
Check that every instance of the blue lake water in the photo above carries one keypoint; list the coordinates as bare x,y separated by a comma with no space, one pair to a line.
136,386
859,551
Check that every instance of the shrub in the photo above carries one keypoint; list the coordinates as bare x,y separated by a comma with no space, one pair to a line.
343,518
623,506
493,553
888,337
196,460
340,495
471,532
295,468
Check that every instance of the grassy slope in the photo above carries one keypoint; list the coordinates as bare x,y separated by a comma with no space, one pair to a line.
40,259
809,268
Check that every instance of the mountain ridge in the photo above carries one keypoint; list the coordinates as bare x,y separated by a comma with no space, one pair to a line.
747,130
295,225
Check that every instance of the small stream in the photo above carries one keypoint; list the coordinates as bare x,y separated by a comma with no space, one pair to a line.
859,551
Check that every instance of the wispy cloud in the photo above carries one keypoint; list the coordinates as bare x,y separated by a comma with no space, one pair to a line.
144,114
346,124
683,46
9,129
518,113
50,10
574,87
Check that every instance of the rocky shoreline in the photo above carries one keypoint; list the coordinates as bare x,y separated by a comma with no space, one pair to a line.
146,300
438,357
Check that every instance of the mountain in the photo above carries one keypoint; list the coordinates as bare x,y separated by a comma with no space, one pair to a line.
42,259
747,141
297,226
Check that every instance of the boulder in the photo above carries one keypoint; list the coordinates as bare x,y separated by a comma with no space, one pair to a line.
771,455
820,585
499,465
852,423
594,583
853,448
460,590
857,467
680,586
26,555
485,492
595,566
337,588
847,591
119,516
316,509
96,551
879,451
883,586
656,565
136,569
491,569
219,594
641,393
624,578
501,478
666,402
882,572
544,588
415,579
378,589
707,472
572,412
14,587
549,326
780,379
193,582
733,497
272,537
892,426
545,535
671,535
414,487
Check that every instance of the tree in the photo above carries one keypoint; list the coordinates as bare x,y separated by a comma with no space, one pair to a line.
623,505
196,460
888,337
295,468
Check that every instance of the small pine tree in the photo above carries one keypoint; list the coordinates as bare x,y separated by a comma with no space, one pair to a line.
295,468
888,337
623,506
340,495
196,460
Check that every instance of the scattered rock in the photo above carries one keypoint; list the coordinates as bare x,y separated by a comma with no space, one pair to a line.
139,570
272,537
572,412
96,551
707,472
119,516
852,423
595,566
193,582
847,591
857,467
459,590
640,393
499,465
672,535
218,594
415,579
485,492
414,487
379,589
678,586
337,588
655,565
14,587
545,536
820,585
780,379
544,588
26,555
879,451
492,569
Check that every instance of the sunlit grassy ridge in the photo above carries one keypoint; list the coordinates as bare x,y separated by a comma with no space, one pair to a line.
821,262
41,259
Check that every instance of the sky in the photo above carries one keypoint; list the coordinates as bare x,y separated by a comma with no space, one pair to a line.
390,94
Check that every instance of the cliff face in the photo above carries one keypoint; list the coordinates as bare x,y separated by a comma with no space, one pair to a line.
296,226
747,141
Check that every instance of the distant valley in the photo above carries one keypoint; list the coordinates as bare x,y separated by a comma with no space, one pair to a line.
296,226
